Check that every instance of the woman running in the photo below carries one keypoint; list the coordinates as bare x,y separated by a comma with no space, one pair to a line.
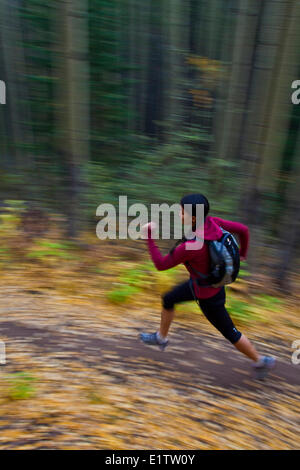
210,299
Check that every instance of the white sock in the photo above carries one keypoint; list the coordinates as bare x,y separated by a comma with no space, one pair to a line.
260,362
160,338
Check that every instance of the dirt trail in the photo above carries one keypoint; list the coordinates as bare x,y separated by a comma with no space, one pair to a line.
204,358
104,387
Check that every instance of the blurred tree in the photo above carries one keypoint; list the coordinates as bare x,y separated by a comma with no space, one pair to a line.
153,98
177,47
73,109
290,226
154,92
13,66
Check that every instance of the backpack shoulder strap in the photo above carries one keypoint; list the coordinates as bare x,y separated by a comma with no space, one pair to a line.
203,276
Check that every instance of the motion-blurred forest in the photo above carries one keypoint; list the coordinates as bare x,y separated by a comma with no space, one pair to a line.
152,99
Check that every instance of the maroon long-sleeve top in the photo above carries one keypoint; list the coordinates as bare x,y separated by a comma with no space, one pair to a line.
198,258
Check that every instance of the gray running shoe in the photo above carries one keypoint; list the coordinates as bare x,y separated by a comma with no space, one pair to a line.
266,364
151,339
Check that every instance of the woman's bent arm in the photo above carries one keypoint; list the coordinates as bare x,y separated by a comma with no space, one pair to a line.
236,227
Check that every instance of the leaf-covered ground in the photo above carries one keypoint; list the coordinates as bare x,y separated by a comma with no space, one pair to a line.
77,376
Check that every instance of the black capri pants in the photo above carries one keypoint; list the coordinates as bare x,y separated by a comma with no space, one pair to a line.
213,308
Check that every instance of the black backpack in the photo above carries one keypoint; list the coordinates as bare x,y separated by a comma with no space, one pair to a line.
225,262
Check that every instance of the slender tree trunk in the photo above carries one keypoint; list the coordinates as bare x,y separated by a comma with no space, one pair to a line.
13,63
155,78
224,121
286,69
176,51
142,47
4,121
132,46
228,93
254,125
290,228
73,115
